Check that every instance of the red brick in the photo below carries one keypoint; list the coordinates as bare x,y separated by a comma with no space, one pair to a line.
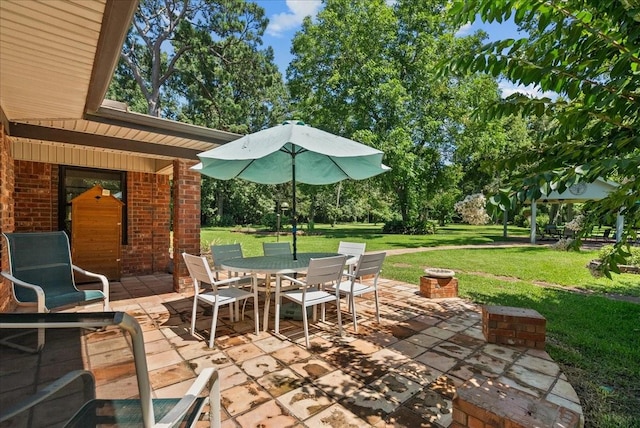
493,404
513,326
459,416
438,288
475,423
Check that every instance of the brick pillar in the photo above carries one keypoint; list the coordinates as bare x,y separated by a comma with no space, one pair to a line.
161,223
186,220
7,216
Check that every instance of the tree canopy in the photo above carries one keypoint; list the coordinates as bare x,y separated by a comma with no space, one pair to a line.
200,61
586,51
366,69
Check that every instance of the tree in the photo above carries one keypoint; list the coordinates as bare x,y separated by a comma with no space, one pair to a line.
585,51
366,69
200,62
197,53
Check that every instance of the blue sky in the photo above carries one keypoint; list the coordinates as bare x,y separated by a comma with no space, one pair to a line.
285,18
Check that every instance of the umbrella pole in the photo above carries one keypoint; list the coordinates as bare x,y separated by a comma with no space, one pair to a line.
294,222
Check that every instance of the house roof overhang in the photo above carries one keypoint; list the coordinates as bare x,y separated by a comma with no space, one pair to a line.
56,62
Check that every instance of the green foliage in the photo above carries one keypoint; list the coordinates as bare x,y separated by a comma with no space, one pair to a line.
608,252
223,221
442,205
365,69
200,62
586,51
270,221
410,228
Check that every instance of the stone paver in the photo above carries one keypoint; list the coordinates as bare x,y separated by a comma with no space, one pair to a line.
402,372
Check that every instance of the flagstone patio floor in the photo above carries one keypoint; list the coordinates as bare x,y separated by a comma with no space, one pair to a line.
402,372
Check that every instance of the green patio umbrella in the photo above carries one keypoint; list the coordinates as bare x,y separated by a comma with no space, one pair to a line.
292,152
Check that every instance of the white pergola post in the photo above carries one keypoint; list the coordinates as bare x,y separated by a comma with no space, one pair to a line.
533,222
619,226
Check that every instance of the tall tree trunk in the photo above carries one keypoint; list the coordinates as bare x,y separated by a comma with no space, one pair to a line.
220,203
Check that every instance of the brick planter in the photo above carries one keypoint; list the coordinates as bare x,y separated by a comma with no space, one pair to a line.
513,326
438,288
488,403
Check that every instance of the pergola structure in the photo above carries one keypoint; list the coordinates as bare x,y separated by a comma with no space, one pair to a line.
580,192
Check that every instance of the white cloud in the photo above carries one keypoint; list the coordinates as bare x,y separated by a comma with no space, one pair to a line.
465,30
508,88
298,9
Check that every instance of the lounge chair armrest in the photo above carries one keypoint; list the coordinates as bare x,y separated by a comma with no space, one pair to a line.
49,390
207,378
35,288
103,279
289,278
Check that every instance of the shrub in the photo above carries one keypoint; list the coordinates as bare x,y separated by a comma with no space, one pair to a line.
426,227
270,221
224,221
632,260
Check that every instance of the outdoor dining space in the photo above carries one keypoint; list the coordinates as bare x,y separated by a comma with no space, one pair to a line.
401,372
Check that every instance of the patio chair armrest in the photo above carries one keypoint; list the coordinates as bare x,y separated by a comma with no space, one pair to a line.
51,389
292,279
208,378
229,280
35,288
103,279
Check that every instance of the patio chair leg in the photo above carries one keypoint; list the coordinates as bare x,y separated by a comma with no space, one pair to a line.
305,323
339,315
193,317
377,307
353,314
255,310
231,318
214,321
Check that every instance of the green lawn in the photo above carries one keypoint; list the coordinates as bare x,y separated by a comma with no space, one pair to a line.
596,340
326,238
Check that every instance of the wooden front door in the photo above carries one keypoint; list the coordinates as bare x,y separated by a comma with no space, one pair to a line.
96,233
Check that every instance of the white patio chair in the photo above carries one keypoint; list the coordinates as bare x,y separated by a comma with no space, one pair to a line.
355,249
276,248
368,265
321,271
223,292
220,253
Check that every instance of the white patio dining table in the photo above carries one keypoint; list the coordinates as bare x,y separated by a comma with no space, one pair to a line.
274,265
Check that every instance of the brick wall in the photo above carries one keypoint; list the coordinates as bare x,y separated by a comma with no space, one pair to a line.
148,201
186,220
36,196
148,208
6,212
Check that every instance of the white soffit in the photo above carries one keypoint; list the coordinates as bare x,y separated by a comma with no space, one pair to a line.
47,52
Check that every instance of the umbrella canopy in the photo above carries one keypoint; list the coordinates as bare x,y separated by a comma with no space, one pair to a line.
292,152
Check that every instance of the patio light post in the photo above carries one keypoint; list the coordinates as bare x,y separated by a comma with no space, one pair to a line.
283,207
